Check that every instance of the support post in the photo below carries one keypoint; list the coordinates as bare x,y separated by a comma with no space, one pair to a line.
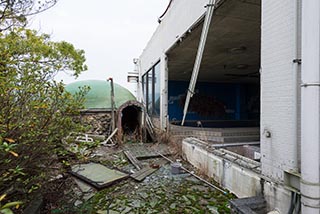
164,91
197,63
112,104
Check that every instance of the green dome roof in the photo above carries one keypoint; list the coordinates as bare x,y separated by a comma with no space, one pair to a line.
99,95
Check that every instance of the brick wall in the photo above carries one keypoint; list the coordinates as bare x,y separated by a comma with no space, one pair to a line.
278,89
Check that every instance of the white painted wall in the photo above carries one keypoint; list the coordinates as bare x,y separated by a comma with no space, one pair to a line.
277,197
279,102
239,180
179,18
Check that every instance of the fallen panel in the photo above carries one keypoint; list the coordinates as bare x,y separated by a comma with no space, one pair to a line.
133,160
97,175
143,173
145,151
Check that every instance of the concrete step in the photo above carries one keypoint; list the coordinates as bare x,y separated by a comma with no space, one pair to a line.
232,139
231,134
220,135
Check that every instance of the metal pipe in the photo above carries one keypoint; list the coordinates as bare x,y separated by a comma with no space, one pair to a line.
196,176
310,108
197,63
294,166
112,104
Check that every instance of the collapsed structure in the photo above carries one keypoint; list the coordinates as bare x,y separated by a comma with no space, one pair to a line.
254,128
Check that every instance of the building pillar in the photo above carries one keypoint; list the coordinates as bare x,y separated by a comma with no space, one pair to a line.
310,108
164,92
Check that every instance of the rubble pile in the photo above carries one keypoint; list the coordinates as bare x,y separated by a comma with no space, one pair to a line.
98,123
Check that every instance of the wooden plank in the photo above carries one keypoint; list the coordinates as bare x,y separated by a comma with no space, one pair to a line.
105,143
133,160
147,150
143,173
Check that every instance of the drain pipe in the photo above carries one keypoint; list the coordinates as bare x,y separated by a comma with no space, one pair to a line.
310,108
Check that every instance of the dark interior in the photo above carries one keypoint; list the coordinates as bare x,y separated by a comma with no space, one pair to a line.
228,84
130,120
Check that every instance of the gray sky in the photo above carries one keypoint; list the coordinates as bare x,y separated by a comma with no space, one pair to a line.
112,33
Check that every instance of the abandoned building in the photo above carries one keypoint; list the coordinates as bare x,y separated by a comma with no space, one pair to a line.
238,82
125,114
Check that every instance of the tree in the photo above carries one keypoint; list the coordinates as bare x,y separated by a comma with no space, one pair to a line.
14,13
35,110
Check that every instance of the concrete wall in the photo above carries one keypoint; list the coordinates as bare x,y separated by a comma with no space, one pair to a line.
238,179
278,198
179,18
280,102
279,105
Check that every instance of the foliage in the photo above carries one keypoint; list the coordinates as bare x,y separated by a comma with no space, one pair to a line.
15,12
6,208
35,110
165,195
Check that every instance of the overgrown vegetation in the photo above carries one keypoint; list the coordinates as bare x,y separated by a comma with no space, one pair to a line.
14,13
35,110
159,195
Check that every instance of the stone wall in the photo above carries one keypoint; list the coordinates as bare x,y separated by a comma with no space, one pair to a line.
99,123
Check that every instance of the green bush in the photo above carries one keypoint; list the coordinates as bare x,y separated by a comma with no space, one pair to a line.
35,110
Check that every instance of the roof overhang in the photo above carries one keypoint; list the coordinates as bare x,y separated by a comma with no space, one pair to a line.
232,51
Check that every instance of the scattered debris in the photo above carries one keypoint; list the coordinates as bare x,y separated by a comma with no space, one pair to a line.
152,189
196,176
97,175
105,143
84,138
143,173
99,122
147,151
86,190
133,160
81,143
175,168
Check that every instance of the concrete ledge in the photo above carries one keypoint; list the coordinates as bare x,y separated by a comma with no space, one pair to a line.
252,205
277,197
231,171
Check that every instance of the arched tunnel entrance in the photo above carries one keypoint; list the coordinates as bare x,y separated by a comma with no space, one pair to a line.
129,120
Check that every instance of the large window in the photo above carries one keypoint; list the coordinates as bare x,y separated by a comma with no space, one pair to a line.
144,89
156,79
151,90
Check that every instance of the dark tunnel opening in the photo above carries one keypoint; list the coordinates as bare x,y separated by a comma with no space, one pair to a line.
130,120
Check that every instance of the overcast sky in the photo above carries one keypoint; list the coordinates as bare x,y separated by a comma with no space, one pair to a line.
111,33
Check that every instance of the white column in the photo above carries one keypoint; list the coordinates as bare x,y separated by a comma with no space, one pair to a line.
164,91
310,108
